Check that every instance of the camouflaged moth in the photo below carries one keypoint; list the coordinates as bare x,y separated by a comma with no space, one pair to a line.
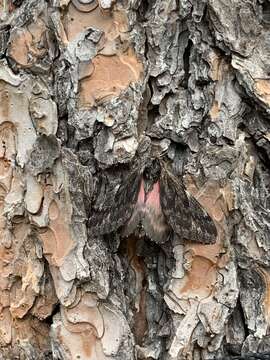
154,202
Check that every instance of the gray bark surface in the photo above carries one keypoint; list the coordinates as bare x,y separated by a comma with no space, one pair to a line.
90,92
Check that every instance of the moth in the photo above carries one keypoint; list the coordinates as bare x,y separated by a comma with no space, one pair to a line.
154,202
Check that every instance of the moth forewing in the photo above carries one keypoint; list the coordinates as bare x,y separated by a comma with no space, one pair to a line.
183,212
118,208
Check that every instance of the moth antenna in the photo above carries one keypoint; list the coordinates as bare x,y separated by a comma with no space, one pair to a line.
163,153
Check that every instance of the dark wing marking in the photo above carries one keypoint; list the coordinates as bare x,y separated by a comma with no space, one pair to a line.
115,207
134,220
184,213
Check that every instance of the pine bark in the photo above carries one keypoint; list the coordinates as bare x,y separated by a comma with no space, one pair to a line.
85,87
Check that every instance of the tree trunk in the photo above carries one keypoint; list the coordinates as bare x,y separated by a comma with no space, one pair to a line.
92,94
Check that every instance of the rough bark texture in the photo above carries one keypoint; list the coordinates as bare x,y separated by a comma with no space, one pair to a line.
86,89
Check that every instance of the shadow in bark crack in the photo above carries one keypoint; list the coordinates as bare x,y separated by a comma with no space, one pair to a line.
146,268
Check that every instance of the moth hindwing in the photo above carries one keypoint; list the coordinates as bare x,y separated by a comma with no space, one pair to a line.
148,215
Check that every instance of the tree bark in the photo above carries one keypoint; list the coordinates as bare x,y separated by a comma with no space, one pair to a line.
87,88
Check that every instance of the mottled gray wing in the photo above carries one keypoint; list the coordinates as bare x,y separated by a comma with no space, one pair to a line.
183,212
115,206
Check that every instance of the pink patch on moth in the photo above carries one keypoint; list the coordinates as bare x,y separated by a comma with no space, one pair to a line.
141,196
153,197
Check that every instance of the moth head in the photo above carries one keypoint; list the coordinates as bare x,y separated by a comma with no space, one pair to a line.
154,163
152,171
151,174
